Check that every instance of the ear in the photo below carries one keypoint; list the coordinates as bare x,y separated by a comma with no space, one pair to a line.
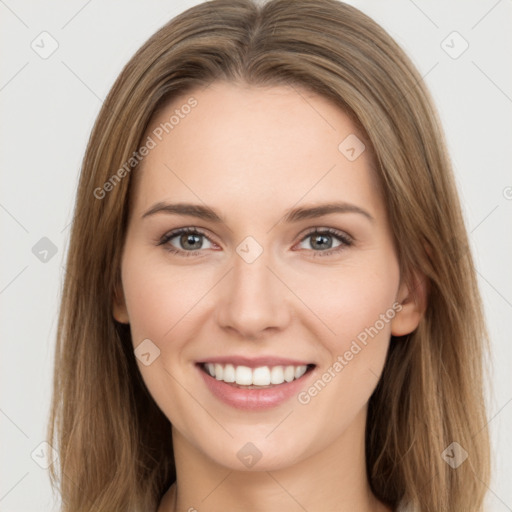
119,310
413,299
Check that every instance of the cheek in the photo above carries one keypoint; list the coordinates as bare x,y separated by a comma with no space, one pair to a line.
159,301
358,307
353,301
163,305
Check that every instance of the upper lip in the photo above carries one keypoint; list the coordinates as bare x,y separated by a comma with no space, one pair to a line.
255,362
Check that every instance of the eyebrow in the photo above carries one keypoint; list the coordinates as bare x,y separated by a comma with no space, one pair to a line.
292,215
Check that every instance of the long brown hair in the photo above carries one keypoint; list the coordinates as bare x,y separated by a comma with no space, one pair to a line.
114,443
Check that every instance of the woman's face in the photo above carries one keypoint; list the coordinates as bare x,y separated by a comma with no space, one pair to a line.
263,281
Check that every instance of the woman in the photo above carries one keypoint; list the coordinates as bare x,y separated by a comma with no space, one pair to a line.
319,346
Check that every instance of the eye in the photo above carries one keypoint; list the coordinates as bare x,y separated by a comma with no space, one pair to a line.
189,240
321,241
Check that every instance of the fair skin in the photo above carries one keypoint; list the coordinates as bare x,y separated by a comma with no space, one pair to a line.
252,153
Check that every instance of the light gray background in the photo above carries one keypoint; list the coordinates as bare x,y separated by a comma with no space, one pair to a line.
48,107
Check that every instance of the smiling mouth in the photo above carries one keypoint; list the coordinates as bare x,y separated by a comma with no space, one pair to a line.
261,377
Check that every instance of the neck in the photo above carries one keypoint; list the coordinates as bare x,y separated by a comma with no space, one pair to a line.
332,479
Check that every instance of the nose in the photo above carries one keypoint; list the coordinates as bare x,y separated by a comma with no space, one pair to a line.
253,299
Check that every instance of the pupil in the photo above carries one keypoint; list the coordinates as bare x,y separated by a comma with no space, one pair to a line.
321,245
190,238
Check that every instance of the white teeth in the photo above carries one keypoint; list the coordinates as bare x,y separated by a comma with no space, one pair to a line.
219,371
243,375
261,376
277,375
289,373
229,373
300,371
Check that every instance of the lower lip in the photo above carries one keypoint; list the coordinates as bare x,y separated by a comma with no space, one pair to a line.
254,399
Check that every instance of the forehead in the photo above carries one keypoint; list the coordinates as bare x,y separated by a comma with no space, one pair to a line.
244,143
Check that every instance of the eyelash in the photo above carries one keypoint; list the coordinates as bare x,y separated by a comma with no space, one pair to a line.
345,240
